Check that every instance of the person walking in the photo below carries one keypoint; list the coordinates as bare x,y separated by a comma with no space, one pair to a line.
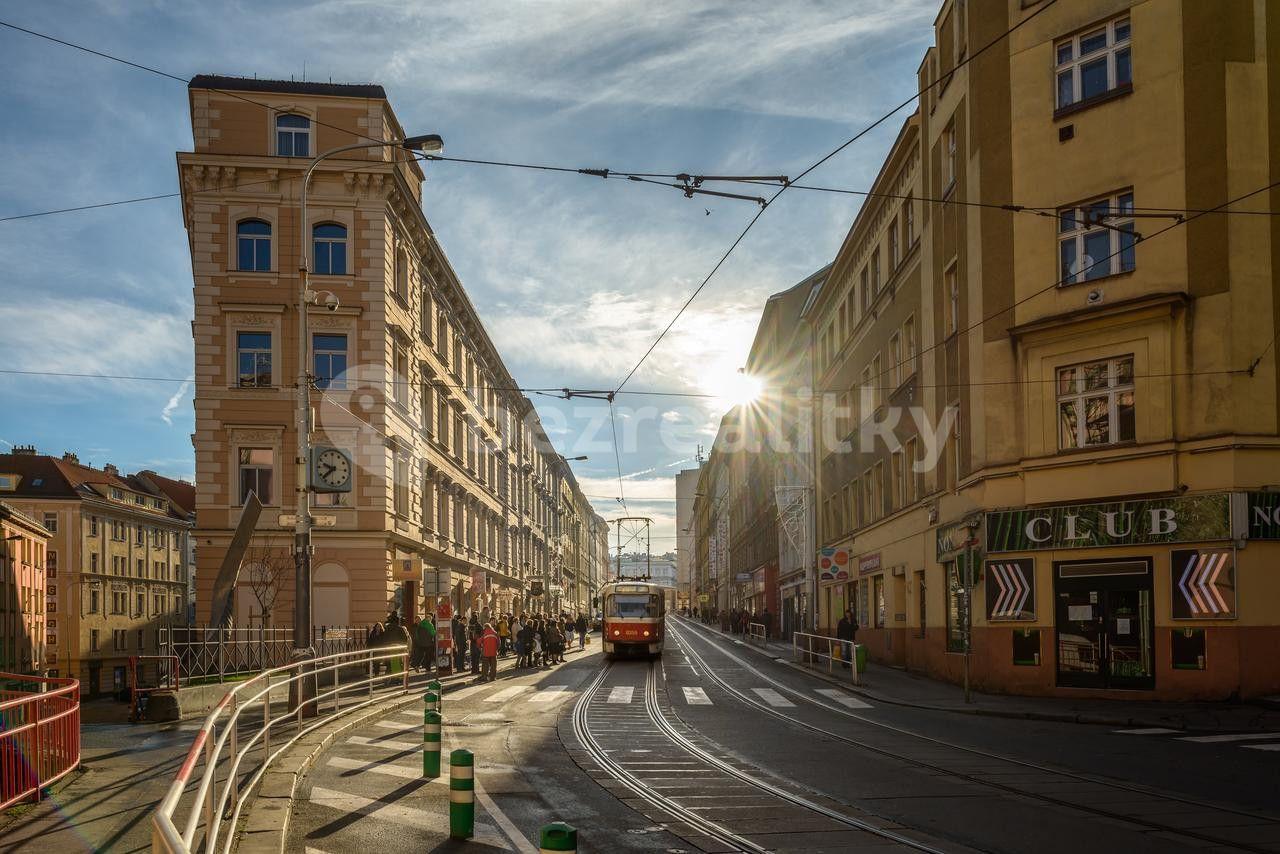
504,634
373,641
526,644
424,644
459,645
581,626
473,633
847,633
489,649
767,619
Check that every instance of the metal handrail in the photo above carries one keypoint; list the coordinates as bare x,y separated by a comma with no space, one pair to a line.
212,804
32,742
834,652
756,633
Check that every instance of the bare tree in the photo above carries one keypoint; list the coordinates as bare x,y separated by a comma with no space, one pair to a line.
265,566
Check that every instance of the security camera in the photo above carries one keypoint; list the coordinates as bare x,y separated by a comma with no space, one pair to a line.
331,301
1094,297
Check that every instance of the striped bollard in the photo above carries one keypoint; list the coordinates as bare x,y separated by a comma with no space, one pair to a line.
558,837
433,687
431,746
462,794
431,703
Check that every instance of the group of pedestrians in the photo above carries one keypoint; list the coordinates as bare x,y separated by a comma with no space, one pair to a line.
739,620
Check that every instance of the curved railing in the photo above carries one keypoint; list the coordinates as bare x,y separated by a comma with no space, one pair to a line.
39,735
344,682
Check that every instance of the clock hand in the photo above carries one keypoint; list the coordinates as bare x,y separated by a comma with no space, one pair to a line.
331,469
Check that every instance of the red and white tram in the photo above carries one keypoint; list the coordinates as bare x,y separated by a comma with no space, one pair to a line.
633,618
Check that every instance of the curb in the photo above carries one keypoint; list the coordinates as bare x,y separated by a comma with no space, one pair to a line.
1087,718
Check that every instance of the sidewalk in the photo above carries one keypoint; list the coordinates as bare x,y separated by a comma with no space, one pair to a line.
892,686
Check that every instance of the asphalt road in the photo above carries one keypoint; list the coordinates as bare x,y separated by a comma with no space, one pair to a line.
718,748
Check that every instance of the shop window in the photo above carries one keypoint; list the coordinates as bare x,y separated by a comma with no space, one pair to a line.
1026,647
1187,649
877,600
1096,404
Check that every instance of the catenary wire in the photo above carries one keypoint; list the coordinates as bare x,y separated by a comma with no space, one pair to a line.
866,130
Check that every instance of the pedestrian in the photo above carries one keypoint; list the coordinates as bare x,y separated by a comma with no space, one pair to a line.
489,649
555,643
504,634
459,645
424,644
526,644
582,631
473,633
372,642
767,619
847,633
539,644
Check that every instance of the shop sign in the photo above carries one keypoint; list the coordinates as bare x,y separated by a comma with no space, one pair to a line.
742,576
833,564
704,597
868,564
1011,589
1188,519
1264,515
956,537
1203,582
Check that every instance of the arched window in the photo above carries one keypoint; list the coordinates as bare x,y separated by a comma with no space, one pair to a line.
293,135
330,251
253,245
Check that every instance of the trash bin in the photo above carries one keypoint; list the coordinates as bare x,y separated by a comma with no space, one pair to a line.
396,665
860,655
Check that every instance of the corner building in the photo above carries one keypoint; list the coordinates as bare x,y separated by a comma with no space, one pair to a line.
1102,519
452,465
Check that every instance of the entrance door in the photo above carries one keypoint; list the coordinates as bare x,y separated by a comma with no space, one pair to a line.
1105,624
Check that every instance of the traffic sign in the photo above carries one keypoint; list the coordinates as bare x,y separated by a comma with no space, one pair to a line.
290,520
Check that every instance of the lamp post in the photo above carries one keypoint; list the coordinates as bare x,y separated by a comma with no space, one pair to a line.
302,416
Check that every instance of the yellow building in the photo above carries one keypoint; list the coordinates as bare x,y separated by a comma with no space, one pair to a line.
1096,369
452,464
23,548
115,564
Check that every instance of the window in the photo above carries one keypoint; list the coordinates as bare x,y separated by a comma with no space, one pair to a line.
93,526
1096,239
893,244
949,156
400,373
140,605
120,639
911,485
256,466
427,315
330,354
877,490
877,600
866,290
899,472
402,275
51,522
908,224
253,359
1095,404
952,286
293,135
119,602
93,562
424,390
895,360
400,485
330,249
442,420
93,638
140,644
157,607
142,568
1092,64
908,347
877,377
875,270
253,245
140,536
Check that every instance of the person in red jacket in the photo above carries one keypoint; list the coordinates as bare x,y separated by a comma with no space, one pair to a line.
489,651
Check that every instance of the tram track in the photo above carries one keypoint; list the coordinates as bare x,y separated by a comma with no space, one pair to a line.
1146,822
720,832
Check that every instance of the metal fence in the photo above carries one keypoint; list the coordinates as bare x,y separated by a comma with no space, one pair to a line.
243,735
39,734
813,650
204,653
757,634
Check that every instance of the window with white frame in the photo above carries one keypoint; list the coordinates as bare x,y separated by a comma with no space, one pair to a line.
253,245
329,249
894,256
402,274
293,135
256,467
1096,404
253,359
1093,63
875,270
1096,239
951,283
400,485
909,346
908,224
399,373
895,360
329,354
949,156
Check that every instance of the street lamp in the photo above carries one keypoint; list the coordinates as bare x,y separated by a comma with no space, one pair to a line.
577,459
302,526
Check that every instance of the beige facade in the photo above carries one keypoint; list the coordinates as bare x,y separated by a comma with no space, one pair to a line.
115,564
452,464
24,543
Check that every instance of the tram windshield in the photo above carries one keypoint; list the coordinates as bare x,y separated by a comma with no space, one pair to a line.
634,605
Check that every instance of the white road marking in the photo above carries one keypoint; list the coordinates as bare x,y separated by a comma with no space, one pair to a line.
507,693
383,744
843,698
1242,736
1261,746
621,693
492,810
387,769
550,694
773,698
1151,730
399,727
696,697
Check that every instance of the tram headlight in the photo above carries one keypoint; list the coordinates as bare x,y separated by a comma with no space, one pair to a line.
617,632
646,632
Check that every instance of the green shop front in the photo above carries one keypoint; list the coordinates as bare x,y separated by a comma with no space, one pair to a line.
1127,587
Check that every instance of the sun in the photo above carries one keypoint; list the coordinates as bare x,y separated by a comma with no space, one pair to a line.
738,388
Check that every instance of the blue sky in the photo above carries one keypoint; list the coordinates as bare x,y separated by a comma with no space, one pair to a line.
573,276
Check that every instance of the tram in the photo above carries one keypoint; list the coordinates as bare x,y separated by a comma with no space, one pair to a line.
633,618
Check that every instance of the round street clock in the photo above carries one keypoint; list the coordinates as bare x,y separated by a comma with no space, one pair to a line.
331,470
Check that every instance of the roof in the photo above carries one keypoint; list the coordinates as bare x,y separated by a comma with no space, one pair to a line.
180,492
8,511
46,477
292,87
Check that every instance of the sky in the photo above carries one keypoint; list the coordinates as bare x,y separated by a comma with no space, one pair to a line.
574,277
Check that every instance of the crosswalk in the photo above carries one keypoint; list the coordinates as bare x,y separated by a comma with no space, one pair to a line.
1238,739
623,695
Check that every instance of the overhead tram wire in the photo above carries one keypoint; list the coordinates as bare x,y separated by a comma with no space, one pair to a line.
617,456
866,130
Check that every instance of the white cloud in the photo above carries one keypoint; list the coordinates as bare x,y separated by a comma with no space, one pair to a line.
166,414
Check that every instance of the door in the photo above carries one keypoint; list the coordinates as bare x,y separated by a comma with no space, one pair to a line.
95,681
1104,624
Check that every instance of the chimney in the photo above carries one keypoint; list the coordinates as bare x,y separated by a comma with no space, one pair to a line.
69,457
25,450
111,470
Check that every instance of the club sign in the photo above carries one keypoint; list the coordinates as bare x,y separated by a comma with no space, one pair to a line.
1185,519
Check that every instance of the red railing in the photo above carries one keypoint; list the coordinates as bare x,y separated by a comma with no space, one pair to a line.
39,734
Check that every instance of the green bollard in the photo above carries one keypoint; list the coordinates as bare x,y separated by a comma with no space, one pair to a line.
431,702
462,794
431,746
433,687
557,837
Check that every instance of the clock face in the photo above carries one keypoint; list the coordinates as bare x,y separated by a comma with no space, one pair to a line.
332,467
